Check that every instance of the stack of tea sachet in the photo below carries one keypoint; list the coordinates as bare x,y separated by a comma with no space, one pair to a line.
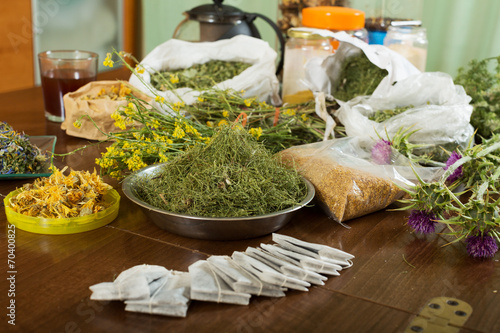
266,271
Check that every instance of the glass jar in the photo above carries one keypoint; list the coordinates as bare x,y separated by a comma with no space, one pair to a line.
410,42
301,46
336,19
380,14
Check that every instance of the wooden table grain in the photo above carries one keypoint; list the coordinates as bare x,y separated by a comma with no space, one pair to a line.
395,272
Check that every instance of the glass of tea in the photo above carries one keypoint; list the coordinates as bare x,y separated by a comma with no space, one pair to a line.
62,72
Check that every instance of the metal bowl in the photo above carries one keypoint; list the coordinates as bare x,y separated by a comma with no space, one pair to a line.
212,228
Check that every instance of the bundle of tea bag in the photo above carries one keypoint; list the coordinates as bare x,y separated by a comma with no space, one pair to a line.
267,273
269,270
207,285
169,296
304,261
322,252
286,267
241,280
133,283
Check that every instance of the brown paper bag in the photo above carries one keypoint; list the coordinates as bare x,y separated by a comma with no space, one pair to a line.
87,100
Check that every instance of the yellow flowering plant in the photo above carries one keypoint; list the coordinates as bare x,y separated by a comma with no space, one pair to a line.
152,133
154,139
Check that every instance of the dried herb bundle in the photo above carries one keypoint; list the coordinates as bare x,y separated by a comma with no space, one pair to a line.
17,154
359,77
199,76
232,176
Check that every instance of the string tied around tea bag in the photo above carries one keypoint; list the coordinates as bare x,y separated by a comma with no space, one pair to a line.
238,266
150,303
219,297
119,288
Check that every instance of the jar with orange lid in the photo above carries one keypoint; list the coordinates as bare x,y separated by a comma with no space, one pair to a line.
336,19
301,46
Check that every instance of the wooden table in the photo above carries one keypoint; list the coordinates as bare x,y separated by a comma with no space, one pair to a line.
395,272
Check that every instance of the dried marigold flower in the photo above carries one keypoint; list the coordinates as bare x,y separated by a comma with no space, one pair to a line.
59,196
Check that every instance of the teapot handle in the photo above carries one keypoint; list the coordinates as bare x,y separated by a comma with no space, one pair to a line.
278,33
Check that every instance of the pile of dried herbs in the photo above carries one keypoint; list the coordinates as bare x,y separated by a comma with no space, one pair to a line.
59,196
17,154
199,76
232,176
358,77
483,85
382,115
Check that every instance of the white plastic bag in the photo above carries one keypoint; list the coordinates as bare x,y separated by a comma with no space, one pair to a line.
348,182
323,74
259,80
438,109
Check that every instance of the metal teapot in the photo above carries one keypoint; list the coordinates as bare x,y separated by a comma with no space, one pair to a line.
211,22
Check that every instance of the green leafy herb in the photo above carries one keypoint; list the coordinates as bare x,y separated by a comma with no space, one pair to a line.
199,76
483,85
232,176
359,77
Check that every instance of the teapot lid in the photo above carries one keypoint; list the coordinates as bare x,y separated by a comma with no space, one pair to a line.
216,13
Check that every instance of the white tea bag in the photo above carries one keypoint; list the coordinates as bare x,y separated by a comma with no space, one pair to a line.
267,273
313,264
286,267
241,280
132,283
170,298
206,285
319,251
150,272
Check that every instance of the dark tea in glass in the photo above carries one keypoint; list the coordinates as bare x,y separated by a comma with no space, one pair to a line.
63,72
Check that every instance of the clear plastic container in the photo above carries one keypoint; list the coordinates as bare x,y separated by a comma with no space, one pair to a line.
301,46
409,41
336,19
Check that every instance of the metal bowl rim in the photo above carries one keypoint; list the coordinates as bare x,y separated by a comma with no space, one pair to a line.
127,190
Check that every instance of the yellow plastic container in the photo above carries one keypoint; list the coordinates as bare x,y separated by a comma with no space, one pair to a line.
64,226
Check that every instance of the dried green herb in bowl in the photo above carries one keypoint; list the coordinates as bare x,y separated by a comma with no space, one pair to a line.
199,76
232,176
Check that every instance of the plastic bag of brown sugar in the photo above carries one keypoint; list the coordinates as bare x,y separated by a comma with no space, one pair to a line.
347,181
97,99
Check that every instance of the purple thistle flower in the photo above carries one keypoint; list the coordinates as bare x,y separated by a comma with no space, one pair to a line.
422,221
381,152
458,171
481,246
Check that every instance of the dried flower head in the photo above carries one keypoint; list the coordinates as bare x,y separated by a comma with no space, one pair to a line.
483,246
